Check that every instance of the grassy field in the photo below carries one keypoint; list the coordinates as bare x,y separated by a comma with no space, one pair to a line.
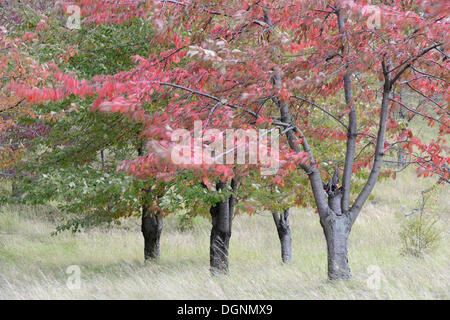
33,264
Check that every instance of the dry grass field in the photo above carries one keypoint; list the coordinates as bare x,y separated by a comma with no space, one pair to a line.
33,263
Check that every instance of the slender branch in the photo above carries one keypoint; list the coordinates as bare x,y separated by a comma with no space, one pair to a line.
379,149
426,97
312,172
421,53
322,109
351,129
207,95
419,113
428,75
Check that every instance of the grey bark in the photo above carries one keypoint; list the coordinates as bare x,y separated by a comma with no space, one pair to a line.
221,217
401,158
338,221
352,129
284,233
336,228
335,224
379,149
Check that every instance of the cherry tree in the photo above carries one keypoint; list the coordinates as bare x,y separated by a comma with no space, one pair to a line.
327,76
16,64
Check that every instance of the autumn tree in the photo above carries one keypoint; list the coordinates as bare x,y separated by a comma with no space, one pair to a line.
73,157
15,63
327,76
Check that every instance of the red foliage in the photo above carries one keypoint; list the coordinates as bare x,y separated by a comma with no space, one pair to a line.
226,65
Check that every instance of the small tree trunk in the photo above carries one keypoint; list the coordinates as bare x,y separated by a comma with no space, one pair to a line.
222,217
401,158
15,191
152,224
284,233
401,113
102,156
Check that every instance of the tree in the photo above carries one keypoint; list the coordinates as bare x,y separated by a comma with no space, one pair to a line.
74,155
284,233
286,65
14,134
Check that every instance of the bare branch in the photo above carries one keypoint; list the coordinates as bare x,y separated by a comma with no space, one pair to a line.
322,109
379,149
421,53
419,113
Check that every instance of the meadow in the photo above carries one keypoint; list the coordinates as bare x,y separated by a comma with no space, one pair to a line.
33,263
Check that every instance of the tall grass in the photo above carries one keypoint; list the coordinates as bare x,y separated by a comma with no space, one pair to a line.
33,264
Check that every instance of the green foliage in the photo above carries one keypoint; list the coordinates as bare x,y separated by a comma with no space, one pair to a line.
79,135
185,192
108,49
88,196
260,192
186,222
92,50
64,165
420,232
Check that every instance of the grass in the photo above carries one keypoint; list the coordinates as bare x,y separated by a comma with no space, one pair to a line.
33,264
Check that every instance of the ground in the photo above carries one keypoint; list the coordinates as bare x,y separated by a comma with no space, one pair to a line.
33,263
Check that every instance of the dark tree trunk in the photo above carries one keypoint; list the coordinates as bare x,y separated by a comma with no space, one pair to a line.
336,228
284,233
222,217
401,113
15,191
102,156
152,224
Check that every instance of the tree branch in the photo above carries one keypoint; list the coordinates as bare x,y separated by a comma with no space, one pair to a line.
419,113
379,149
322,109
421,53
351,129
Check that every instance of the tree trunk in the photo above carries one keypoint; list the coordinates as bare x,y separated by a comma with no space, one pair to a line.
337,230
284,233
401,158
336,227
15,191
222,217
102,156
152,224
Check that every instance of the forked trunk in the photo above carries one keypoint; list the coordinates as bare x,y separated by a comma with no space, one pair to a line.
152,225
284,233
222,217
